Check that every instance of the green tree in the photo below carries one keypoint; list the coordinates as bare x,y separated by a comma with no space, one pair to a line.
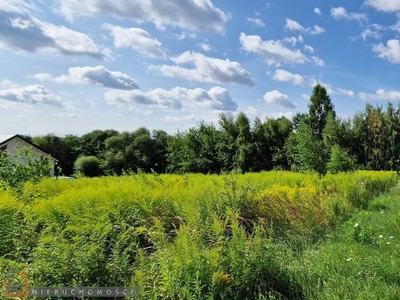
340,161
319,108
305,151
88,166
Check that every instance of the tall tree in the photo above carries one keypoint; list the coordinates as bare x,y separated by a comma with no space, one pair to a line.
319,108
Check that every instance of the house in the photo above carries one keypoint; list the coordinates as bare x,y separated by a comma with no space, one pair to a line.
12,142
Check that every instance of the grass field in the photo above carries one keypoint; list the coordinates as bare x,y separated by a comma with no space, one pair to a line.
271,235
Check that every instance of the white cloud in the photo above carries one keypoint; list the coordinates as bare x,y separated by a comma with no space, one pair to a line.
193,15
309,48
98,75
206,47
256,22
177,98
317,11
20,31
381,95
285,76
349,93
206,69
185,35
390,52
341,13
137,39
272,51
396,27
276,97
291,40
318,61
41,76
384,5
373,31
295,26
31,94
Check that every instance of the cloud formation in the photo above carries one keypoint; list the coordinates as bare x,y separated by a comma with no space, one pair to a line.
20,31
390,52
137,39
98,76
194,15
384,5
341,13
285,76
381,95
295,26
31,94
256,22
176,98
274,52
276,97
206,69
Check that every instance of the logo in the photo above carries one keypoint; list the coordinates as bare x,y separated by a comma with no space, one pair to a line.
16,285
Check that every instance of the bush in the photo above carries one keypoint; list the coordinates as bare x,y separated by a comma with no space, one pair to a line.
88,166
25,165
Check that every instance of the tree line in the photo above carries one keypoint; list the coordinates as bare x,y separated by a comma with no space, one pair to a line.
315,141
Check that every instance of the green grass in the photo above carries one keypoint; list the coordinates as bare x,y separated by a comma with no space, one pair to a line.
270,235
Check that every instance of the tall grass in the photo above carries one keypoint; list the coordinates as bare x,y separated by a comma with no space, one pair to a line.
189,236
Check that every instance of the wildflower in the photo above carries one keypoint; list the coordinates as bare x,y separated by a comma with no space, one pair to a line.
356,225
381,236
387,243
349,259
391,237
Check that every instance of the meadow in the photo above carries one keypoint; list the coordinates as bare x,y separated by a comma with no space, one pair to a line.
267,235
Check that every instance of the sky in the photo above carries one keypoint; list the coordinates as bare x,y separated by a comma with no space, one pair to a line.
73,66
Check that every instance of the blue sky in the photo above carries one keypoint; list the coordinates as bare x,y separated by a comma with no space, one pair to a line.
72,66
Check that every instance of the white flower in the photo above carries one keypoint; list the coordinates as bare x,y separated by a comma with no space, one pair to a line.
356,225
349,259
391,237
381,236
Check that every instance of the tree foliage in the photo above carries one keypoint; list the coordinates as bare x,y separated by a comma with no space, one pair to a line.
22,166
88,166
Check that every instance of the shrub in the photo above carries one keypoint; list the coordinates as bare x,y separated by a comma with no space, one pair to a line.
88,166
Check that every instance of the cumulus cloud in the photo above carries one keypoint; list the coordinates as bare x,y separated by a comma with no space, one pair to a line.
390,52
318,61
373,31
381,95
31,94
206,69
194,15
206,47
317,11
256,22
137,39
276,97
98,75
285,76
309,48
384,5
341,13
272,51
349,93
20,31
177,98
295,26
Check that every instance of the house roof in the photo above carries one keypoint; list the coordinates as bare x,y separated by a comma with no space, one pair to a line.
4,138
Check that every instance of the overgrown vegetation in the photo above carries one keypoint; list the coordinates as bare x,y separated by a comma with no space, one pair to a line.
267,235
